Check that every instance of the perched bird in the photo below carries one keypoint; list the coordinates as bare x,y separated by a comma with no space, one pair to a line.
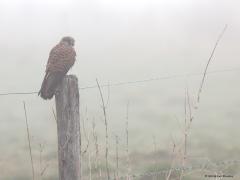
61,59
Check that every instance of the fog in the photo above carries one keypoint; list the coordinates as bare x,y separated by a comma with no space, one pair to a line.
122,41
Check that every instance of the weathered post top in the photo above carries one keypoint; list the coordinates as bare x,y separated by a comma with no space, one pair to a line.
68,128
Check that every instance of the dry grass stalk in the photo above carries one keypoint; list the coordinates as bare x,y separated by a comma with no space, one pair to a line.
117,158
182,152
184,156
42,169
209,60
155,153
189,106
95,139
96,145
41,147
127,144
90,164
29,141
106,130
86,135
54,114
187,125
173,161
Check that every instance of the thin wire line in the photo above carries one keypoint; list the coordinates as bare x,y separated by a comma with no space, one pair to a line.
134,82
160,78
18,93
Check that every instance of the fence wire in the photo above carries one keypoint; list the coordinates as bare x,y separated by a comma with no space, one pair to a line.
134,82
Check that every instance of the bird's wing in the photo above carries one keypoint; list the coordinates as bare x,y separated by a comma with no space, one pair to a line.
61,59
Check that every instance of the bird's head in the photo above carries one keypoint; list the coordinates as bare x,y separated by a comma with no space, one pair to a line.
69,40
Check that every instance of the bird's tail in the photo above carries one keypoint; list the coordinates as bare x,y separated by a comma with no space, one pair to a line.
49,84
42,91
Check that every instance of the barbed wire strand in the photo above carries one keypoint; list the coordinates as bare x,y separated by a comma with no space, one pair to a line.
134,82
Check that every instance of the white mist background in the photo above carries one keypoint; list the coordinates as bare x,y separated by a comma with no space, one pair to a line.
119,41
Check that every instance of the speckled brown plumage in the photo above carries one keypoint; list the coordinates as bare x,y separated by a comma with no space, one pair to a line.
61,59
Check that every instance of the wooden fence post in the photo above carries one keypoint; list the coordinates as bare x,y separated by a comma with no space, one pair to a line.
68,128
